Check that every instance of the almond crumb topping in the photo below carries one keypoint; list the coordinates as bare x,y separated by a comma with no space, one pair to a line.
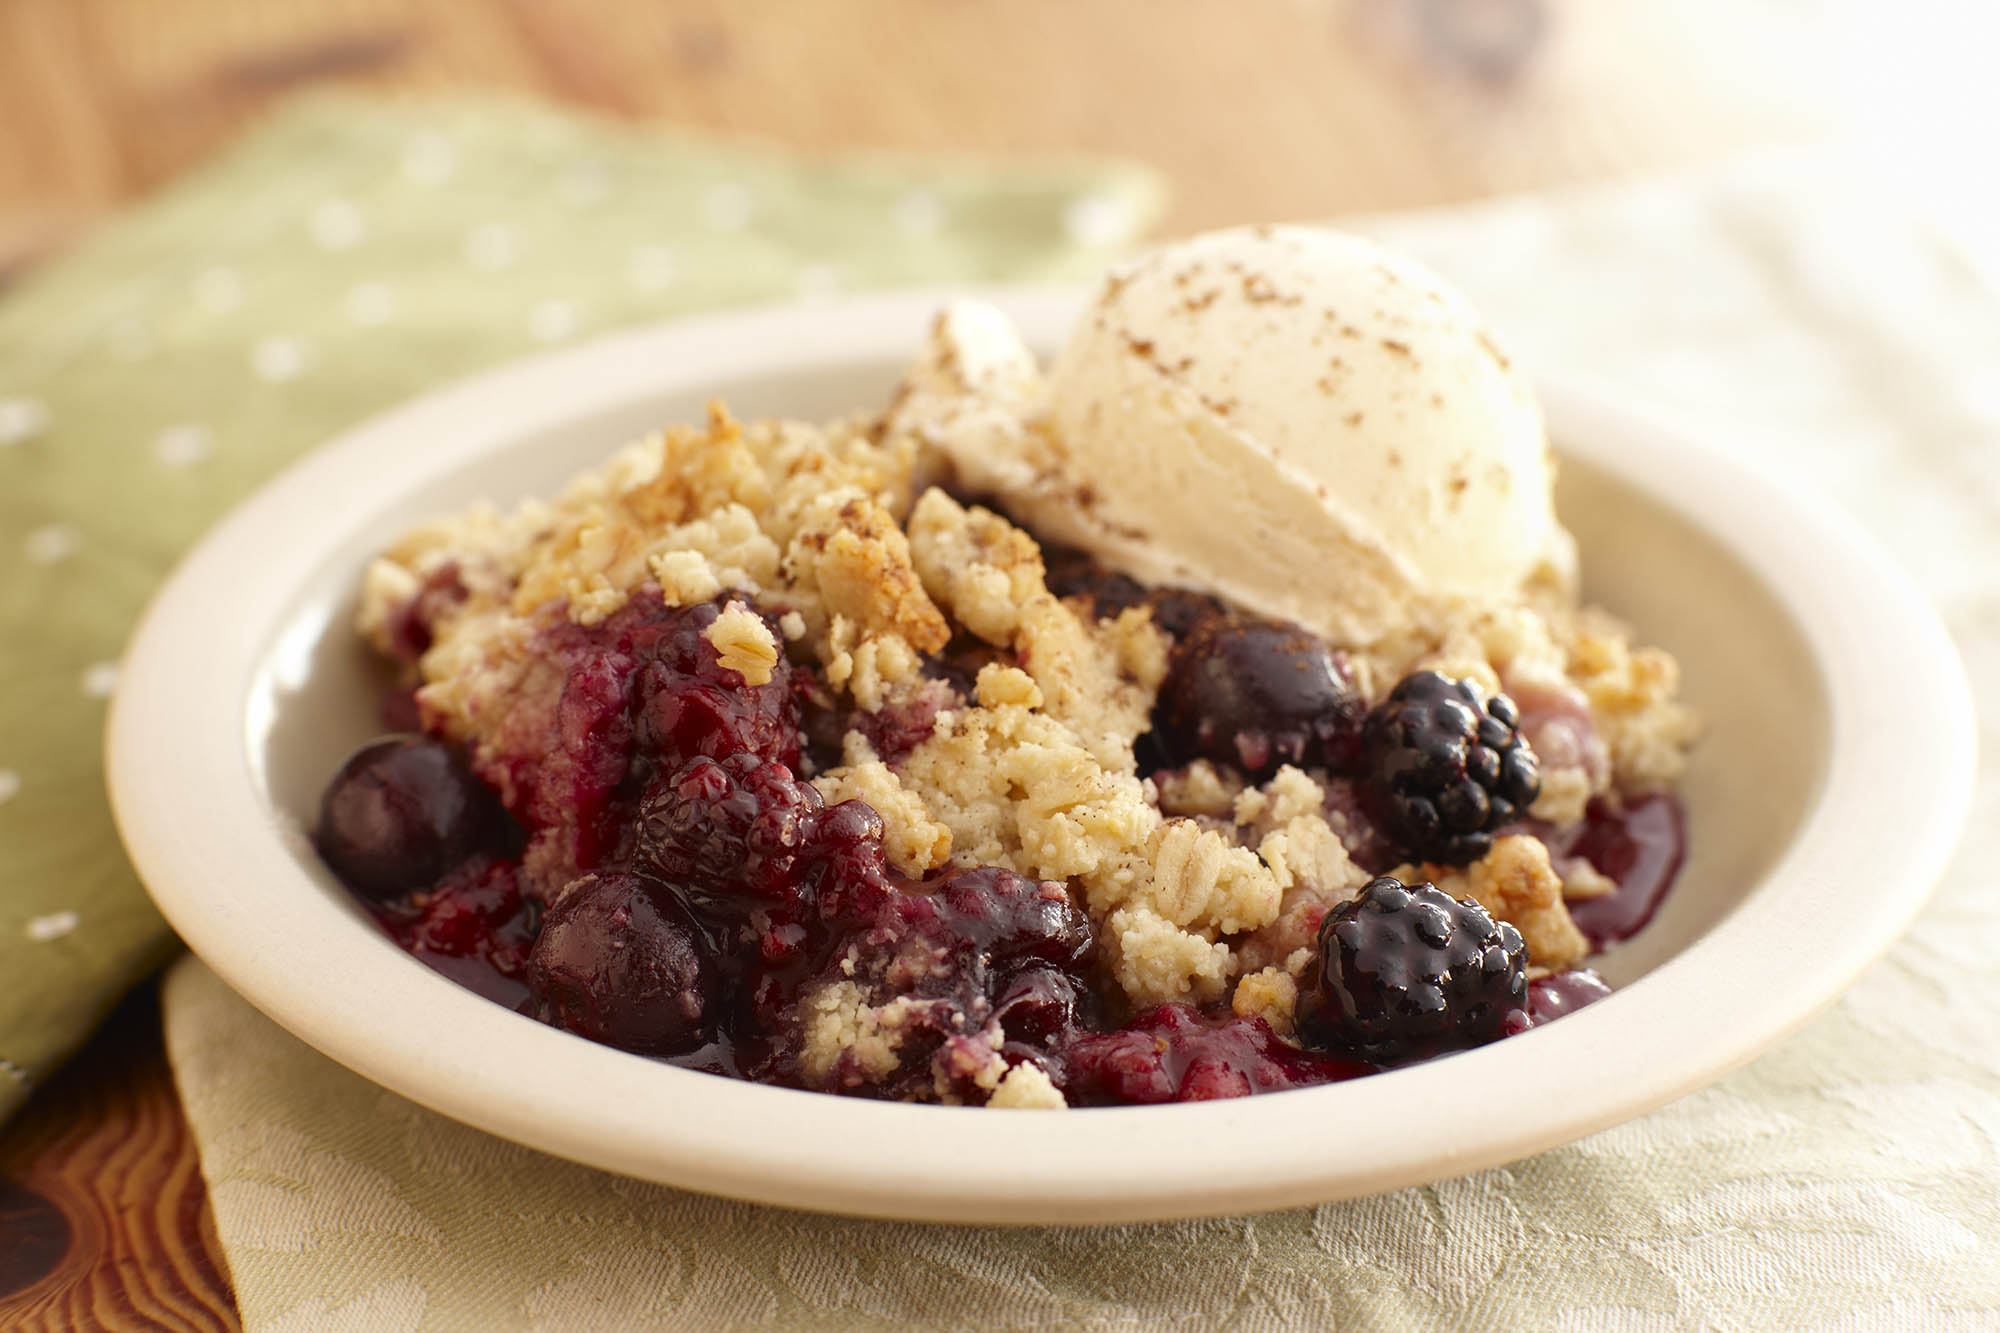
743,643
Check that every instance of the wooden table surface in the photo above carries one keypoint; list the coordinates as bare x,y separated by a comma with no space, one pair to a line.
1255,109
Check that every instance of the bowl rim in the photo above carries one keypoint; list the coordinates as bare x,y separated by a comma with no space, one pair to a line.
327,976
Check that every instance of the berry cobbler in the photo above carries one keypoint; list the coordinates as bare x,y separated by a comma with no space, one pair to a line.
1210,714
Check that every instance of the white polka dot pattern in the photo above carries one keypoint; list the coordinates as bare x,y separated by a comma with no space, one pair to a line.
728,207
1099,220
53,543
337,225
429,159
99,680
22,419
918,214
653,268
370,304
54,926
818,282
491,246
218,290
552,321
183,446
278,359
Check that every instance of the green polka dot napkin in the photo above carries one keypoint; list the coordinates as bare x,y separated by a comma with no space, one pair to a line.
344,256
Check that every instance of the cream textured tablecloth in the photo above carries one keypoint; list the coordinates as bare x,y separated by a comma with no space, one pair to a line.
1812,306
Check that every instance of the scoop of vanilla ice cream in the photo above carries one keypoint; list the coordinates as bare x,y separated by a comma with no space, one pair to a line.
1291,418
975,394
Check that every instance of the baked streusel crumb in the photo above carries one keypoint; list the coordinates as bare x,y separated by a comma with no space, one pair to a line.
904,800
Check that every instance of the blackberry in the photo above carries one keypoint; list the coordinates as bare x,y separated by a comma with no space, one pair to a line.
683,702
1408,972
727,834
1255,694
1445,770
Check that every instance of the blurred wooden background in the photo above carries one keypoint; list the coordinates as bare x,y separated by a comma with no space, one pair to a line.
1254,109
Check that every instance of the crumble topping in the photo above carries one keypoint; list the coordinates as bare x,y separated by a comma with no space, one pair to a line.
916,843
1027,1087
842,1028
1515,883
743,643
1200,789
1270,993
824,545
1097,679
1582,881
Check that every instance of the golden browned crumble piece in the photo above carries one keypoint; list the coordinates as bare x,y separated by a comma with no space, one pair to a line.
914,842
1633,700
1098,679
1515,883
839,1021
1201,879
849,567
700,471
1285,821
743,643
1199,789
1583,881
858,559
1270,993
1156,962
1565,795
1027,1087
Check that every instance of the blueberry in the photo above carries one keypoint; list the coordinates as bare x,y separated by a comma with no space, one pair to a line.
401,814
620,961
1180,611
1255,694
1070,572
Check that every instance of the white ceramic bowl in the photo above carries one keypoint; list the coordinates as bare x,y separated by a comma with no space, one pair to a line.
1822,805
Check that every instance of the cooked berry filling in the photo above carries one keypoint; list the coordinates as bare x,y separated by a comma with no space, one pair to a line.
1640,845
638,693
685,893
1177,1054
476,926
1105,593
729,834
942,965
1256,694
1553,996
